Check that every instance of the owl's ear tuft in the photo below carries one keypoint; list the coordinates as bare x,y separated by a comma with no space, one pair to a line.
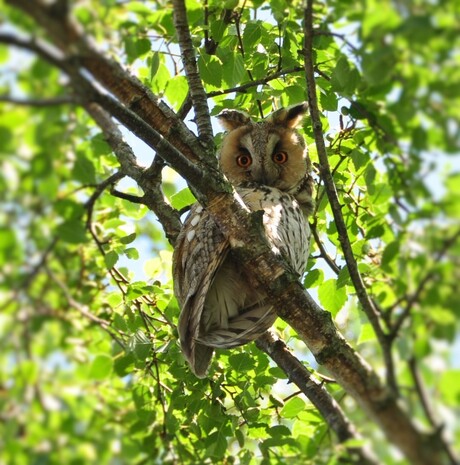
232,119
290,117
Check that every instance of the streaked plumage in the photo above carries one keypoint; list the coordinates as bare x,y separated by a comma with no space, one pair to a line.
267,162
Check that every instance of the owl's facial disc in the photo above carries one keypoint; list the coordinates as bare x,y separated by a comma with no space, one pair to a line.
261,158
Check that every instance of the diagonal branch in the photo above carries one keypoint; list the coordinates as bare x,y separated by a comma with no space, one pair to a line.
41,48
316,393
153,197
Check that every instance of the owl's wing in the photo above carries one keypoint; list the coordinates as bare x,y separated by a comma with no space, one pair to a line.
200,251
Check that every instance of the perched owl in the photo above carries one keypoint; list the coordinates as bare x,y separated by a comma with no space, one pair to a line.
268,164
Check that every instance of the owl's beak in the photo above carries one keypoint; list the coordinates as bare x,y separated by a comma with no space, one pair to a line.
262,176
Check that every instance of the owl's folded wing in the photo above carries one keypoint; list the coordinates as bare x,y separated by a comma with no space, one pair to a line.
200,251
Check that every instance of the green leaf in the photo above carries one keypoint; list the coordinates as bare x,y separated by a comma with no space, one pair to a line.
279,431
182,199
241,362
154,64
160,80
343,278
389,254
124,365
328,101
101,367
210,69
450,386
313,278
378,66
6,136
359,158
340,74
218,445
128,239
240,437
99,146
84,170
114,299
252,34
293,407
366,334
331,297
132,253
140,345
4,55
233,70
111,259
72,231
136,47
176,90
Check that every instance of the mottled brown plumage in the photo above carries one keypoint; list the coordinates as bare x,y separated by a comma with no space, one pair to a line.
267,162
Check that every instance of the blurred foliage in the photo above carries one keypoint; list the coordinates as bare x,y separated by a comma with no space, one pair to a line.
90,367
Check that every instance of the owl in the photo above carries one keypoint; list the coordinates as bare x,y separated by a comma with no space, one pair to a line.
268,165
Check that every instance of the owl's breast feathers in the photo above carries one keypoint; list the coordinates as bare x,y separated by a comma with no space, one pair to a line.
285,223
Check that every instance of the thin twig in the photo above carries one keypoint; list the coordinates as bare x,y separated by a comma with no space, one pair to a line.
415,296
110,181
83,309
327,258
427,408
149,180
318,32
241,48
129,197
37,46
187,104
39,103
256,82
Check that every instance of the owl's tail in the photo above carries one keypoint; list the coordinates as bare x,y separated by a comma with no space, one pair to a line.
243,328
201,359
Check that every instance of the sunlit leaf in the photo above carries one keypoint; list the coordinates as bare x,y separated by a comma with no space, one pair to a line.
101,367
292,407
333,298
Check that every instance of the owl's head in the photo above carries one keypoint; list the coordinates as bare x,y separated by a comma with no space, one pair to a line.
270,152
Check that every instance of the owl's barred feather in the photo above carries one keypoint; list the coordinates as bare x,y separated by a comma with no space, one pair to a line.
268,164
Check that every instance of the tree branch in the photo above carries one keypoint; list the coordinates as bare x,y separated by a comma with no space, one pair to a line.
325,171
151,185
323,253
438,428
197,92
316,393
74,44
111,180
44,50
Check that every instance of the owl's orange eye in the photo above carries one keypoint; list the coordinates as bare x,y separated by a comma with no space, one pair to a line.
280,157
244,160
